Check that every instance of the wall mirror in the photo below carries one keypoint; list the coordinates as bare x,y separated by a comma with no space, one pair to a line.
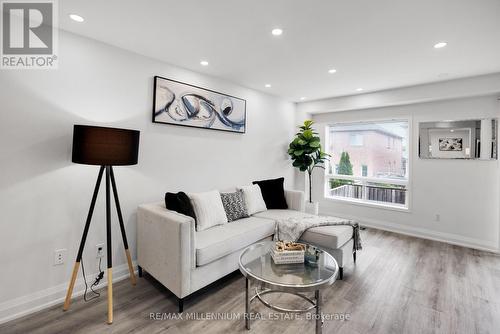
467,139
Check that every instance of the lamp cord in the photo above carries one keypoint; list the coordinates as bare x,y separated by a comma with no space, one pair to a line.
96,282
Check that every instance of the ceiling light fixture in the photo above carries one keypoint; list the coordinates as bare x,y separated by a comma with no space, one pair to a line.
359,89
204,63
302,98
332,70
267,85
277,32
440,45
76,18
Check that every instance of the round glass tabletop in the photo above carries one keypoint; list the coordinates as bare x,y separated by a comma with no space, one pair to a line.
256,263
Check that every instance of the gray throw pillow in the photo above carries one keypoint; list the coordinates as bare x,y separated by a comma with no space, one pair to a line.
234,205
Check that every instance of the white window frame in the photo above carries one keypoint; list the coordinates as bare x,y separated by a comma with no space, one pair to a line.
365,180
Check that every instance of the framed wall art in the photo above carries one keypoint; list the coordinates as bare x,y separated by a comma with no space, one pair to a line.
450,144
178,103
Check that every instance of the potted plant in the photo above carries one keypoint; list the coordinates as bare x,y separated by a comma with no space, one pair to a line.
306,153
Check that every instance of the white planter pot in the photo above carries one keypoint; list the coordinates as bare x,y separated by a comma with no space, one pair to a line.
312,208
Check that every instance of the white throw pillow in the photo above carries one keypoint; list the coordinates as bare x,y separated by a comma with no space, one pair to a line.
208,209
253,199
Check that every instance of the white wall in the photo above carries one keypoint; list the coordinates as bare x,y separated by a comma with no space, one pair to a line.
464,193
44,198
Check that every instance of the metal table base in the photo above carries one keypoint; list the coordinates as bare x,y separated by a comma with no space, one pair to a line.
315,304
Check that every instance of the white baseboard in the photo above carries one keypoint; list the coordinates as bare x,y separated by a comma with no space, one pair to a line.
449,238
19,307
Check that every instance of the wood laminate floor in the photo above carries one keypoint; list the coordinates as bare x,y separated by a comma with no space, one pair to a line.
400,284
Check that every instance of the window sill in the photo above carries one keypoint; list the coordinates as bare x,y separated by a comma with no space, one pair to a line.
392,207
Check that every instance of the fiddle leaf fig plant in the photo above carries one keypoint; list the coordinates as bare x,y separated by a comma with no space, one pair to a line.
306,153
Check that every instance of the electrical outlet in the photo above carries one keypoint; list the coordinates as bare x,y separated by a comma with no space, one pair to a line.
59,256
99,250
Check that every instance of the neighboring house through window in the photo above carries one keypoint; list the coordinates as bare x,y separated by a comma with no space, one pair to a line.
371,162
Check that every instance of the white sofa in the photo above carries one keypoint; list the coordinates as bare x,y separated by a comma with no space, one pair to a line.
184,260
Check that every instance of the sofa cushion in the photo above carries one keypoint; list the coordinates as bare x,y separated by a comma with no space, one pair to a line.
180,203
208,209
253,199
219,241
273,193
234,205
328,236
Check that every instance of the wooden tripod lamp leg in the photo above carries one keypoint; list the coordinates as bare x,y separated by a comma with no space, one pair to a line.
122,229
67,301
130,267
110,296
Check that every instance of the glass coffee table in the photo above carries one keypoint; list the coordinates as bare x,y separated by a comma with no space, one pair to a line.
258,267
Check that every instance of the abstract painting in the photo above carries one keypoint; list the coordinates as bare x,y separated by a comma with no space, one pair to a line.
178,103
450,144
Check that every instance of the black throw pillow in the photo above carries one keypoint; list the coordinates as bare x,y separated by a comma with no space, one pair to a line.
273,193
180,203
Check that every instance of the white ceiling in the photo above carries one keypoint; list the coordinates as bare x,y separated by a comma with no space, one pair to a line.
373,44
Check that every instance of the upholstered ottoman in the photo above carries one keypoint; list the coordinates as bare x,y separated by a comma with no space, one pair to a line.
336,240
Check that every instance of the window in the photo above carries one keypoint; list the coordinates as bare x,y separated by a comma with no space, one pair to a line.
356,139
375,171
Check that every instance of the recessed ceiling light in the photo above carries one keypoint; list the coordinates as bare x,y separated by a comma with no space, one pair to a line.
359,89
332,70
76,18
302,98
277,32
204,63
440,45
267,85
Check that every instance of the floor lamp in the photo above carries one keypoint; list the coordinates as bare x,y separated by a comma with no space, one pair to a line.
105,147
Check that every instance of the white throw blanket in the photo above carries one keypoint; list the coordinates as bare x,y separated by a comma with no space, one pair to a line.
291,229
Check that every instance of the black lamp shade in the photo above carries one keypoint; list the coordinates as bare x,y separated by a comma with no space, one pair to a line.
95,145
